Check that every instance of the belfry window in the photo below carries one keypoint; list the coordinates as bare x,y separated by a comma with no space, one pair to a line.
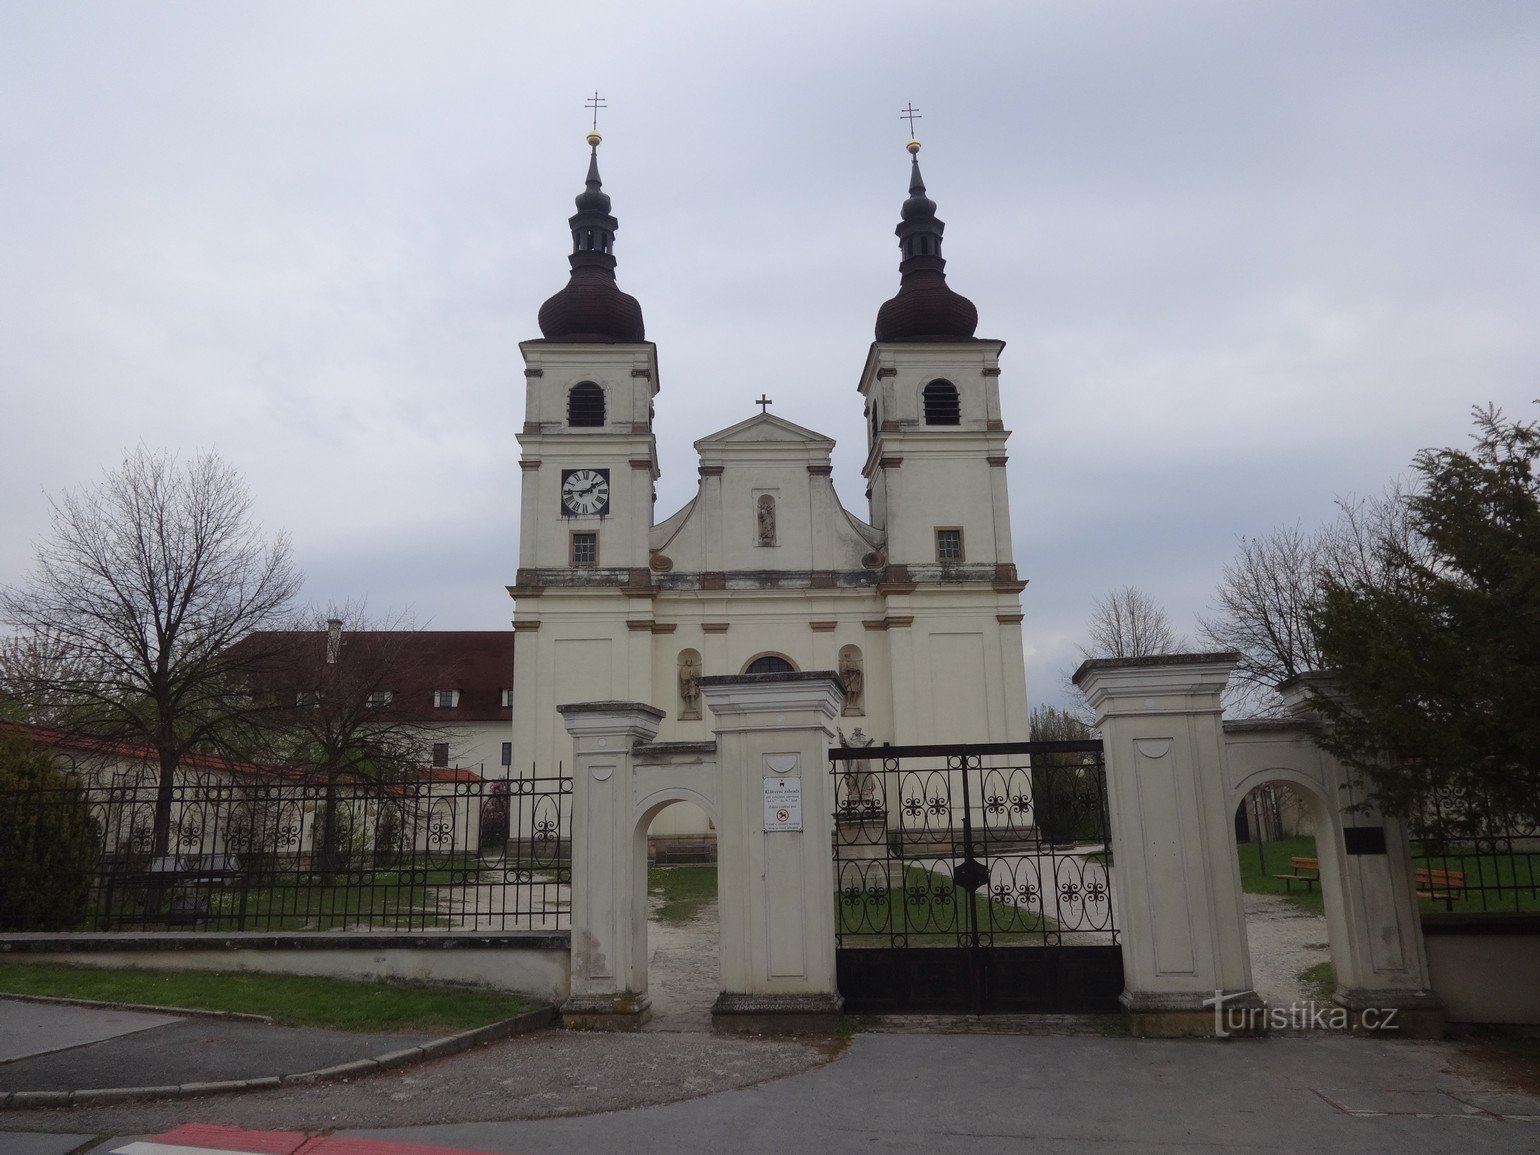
585,405
942,406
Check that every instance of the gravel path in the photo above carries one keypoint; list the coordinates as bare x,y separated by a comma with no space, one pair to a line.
1284,941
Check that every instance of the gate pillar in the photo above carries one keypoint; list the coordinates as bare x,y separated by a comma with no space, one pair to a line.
775,867
1178,884
609,888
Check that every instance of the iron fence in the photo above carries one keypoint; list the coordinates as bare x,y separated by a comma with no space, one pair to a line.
223,852
1473,856
974,878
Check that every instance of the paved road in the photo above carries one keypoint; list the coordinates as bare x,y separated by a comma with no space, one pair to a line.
901,1092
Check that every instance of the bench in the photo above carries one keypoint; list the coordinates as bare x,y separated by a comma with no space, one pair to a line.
178,888
1442,884
1306,870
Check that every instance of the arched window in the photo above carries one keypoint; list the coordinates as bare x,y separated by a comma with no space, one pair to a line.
585,404
941,404
770,664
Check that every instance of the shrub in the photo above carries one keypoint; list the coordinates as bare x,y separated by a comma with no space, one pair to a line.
49,843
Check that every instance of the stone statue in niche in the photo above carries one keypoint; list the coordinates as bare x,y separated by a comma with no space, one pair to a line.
766,520
689,685
859,782
853,680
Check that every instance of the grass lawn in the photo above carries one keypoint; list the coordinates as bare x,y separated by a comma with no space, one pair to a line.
684,890
293,1000
1511,882
1257,877
930,910
1320,980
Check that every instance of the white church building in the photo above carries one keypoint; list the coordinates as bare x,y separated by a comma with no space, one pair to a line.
916,602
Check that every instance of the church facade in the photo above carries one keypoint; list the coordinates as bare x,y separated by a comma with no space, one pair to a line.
916,604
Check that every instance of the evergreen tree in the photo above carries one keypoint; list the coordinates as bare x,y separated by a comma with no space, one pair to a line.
1437,659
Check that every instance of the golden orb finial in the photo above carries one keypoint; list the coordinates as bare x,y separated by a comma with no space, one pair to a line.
594,138
914,147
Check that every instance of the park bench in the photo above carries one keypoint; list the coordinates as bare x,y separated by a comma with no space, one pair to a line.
1306,870
1447,885
178,888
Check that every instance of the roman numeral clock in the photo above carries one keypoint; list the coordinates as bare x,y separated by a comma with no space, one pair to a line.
585,492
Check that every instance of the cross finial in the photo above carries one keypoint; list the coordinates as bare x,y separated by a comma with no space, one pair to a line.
764,403
595,102
911,114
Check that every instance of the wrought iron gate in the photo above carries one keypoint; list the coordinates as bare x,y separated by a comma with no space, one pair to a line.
974,879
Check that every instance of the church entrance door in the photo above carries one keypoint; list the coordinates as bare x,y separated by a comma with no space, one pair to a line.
974,879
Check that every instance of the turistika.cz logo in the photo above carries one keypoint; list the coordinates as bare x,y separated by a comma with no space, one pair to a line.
1307,1016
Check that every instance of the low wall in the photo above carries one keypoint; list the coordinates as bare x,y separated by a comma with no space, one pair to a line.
1483,967
536,963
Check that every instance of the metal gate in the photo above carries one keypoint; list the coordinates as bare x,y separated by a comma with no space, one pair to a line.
974,879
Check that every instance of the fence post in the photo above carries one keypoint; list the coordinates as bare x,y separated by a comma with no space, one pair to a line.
775,828
609,876
1185,964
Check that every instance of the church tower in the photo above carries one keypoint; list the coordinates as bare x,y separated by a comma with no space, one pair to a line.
587,470
935,472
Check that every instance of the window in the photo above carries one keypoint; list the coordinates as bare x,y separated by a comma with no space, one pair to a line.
446,699
307,698
585,550
585,405
941,404
949,545
379,699
440,755
770,664
507,753
507,701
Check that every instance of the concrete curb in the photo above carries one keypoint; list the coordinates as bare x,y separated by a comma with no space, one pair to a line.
146,1008
449,1045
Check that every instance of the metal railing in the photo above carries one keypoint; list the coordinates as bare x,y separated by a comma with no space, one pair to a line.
1473,857
221,851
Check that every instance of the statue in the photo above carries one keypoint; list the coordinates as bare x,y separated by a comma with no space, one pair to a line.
852,679
689,685
859,781
766,518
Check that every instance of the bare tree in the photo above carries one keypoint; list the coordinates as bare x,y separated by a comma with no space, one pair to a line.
1263,613
1265,598
1127,623
138,594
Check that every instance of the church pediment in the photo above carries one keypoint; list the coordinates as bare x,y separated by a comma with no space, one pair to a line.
764,427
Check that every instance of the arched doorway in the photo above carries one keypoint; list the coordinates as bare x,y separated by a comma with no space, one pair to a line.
682,948
1285,892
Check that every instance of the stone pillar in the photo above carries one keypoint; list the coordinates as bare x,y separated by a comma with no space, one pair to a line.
1178,885
775,885
1370,896
609,874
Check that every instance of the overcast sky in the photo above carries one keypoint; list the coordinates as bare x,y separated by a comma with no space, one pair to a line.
1246,257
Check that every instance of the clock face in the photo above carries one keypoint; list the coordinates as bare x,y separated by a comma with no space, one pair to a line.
585,492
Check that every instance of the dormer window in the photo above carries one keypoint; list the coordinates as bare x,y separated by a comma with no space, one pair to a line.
379,699
585,405
507,699
446,699
307,698
942,406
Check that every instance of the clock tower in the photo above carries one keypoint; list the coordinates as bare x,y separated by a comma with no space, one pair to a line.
587,465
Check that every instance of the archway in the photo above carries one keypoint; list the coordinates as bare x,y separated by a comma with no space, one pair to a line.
1294,956
682,948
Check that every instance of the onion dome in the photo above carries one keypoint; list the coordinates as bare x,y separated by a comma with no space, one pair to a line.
592,307
924,309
